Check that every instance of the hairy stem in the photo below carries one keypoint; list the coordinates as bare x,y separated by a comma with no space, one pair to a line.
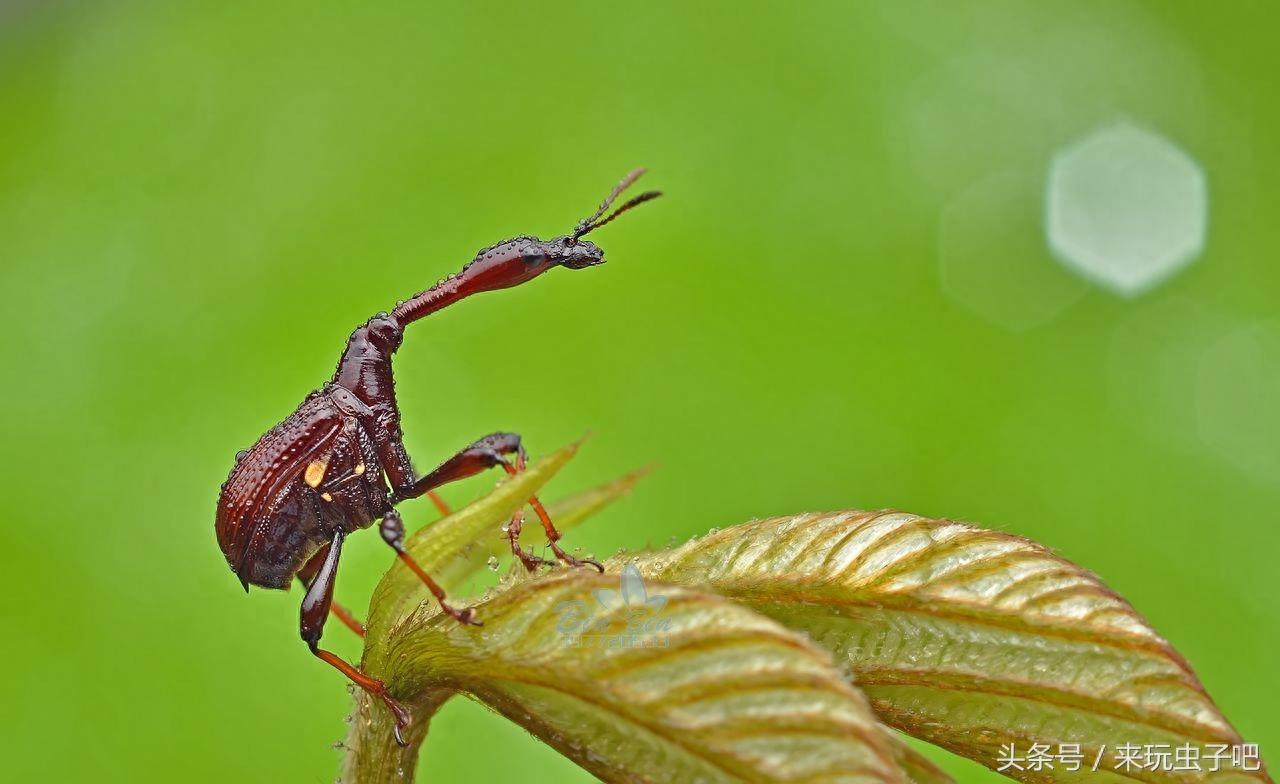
373,756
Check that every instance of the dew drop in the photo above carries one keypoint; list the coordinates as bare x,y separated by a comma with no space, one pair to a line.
492,563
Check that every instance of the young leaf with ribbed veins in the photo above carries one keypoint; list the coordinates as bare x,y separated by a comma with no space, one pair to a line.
453,548
971,639
684,687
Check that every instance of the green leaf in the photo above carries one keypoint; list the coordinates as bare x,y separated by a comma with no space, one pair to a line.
706,691
968,638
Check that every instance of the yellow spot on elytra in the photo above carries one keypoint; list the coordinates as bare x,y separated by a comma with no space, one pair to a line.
326,496
315,472
359,469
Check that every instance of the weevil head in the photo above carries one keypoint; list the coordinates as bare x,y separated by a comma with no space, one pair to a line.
514,261
575,254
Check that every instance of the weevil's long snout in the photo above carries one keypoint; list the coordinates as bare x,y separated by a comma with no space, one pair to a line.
521,259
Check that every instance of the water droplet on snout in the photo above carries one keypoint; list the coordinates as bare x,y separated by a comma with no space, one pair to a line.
713,532
492,563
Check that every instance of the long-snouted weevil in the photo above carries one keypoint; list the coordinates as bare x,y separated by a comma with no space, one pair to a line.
338,463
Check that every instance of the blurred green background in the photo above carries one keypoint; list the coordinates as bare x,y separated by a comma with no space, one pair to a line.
845,300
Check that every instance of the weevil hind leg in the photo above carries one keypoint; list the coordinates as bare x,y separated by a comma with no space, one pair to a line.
315,610
307,575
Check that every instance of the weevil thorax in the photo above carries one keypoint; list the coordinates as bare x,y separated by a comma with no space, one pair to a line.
365,365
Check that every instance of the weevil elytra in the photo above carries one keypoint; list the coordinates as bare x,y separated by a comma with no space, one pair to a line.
338,463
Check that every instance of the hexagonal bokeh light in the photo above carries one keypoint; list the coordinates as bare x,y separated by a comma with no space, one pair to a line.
1126,208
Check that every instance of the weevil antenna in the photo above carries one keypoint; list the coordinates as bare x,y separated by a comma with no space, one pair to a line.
589,223
633,202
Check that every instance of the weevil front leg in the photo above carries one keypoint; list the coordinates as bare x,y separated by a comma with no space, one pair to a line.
529,559
480,455
553,536
392,530
491,451
315,610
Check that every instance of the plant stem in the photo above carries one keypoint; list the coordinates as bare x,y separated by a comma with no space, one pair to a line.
373,756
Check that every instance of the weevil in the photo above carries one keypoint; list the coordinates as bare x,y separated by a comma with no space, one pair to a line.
338,463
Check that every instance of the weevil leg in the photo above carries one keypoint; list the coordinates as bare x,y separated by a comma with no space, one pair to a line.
529,559
307,575
314,612
488,452
480,455
441,506
392,530
553,536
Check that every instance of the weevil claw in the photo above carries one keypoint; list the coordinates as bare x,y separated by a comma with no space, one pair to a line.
465,616
565,558
591,562
531,561
403,718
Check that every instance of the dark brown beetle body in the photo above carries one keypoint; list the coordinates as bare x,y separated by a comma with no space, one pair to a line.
338,462
271,521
